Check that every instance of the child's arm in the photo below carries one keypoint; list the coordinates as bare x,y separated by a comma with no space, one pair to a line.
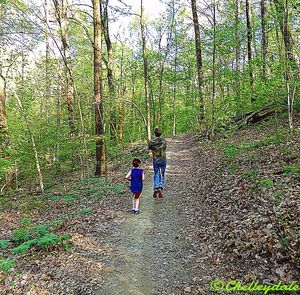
143,176
128,176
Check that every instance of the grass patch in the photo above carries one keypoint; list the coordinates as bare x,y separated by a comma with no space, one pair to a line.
276,137
278,194
232,167
291,169
267,182
82,212
250,174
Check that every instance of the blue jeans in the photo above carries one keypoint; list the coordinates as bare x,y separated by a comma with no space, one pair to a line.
159,168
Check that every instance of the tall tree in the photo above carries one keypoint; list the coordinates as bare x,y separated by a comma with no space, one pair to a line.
249,47
213,97
98,91
110,75
61,11
237,47
199,61
282,16
264,38
145,59
3,119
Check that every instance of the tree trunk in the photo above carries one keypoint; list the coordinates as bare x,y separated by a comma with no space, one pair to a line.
100,147
37,162
3,119
110,76
174,89
213,97
61,16
264,38
282,16
122,102
249,47
199,61
47,55
162,65
145,59
237,48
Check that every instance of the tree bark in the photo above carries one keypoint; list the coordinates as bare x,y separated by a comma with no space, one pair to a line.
237,47
282,16
249,47
264,38
47,55
61,16
199,61
213,97
145,59
37,162
110,76
175,88
100,147
3,118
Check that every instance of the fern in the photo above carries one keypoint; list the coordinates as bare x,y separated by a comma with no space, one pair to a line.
39,230
4,244
49,239
21,235
6,265
24,247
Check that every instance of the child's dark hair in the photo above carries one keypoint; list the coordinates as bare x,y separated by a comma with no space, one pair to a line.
136,163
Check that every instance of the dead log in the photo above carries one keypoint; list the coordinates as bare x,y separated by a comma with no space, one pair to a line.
256,116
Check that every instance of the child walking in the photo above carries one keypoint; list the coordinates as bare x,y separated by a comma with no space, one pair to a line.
136,177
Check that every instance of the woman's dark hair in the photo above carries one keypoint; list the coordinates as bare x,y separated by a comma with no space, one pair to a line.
136,163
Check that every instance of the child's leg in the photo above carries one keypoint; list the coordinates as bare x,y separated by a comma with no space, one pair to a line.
133,201
137,202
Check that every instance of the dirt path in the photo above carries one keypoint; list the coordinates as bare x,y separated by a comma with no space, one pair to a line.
148,257
211,225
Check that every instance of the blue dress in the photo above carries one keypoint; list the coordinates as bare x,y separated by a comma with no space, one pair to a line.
136,185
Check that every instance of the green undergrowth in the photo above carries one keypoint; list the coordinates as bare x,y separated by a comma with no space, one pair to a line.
38,237
232,151
6,265
28,239
264,162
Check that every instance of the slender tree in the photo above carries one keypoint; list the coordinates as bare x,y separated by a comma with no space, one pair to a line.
3,119
264,38
249,47
213,97
145,59
199,61
110,75
61,10
34,147
98,91
237,47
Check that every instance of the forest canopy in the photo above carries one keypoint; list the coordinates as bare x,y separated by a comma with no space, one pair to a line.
76,87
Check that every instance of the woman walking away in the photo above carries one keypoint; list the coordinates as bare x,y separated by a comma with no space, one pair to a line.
136,177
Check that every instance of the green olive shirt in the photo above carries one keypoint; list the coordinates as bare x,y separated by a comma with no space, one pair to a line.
158,148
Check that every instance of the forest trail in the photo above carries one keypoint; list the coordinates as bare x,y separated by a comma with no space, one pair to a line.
211,224
149,253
